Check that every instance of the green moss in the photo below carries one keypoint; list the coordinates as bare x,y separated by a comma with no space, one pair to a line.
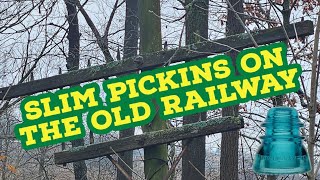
76,149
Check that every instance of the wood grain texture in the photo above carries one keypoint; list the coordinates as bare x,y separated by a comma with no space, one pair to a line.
152,60
193,130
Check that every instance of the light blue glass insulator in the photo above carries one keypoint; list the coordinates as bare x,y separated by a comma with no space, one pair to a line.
282,151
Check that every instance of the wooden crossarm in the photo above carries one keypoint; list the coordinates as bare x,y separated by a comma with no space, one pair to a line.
156,59
166,136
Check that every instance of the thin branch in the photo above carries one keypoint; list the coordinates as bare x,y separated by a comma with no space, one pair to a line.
293,4
183,3
101,43
290,45
119,167
114,152
242,24
313,97
175,163
252,138
198,170
115,7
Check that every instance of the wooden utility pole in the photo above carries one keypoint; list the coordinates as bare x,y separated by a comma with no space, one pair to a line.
230,140
129,50
155,157
156,59
193,160
80,167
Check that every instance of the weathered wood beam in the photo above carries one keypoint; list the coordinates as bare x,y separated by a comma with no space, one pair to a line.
157,59
202,128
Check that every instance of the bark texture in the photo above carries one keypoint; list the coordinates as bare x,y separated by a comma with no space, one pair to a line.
130,49
193,160
155,157
230,140
80,167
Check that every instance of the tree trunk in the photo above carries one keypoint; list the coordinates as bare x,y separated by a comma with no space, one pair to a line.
41,160
131,29
155,157
80,167
130,49
230,140
193,160
312,108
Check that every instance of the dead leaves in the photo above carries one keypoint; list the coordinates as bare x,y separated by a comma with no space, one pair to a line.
10,167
